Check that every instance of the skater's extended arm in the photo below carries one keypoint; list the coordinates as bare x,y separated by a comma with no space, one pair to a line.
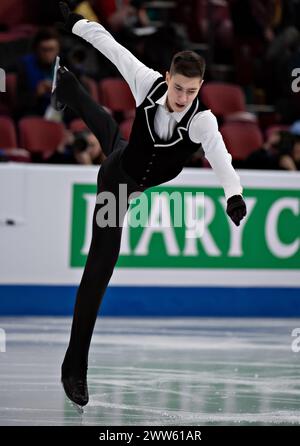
139,77
204,129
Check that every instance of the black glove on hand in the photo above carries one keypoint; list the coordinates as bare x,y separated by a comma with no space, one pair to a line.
236,209
70,18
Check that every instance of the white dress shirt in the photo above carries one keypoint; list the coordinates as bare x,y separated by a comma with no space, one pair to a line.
203,128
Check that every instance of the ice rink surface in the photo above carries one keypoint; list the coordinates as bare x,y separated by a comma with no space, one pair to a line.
155,372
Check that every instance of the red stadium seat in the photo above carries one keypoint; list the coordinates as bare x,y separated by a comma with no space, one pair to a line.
241,138
25,29
77,125
10,36
126,127
115,94
223,99
40,136
14,12
8,138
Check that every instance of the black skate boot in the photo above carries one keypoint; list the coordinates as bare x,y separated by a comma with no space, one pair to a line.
75,386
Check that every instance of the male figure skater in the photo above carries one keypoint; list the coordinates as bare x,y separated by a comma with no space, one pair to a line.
170,125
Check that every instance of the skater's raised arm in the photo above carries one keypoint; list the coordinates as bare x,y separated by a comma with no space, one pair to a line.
139,77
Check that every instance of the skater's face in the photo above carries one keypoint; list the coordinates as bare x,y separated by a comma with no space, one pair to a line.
182,91
47,51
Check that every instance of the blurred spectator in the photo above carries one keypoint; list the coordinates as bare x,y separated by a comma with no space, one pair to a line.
260,20
35,74
280,52
83,148
291,160
270,155
87,149
255,23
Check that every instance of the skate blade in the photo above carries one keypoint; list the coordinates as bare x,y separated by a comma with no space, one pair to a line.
56,67
55,103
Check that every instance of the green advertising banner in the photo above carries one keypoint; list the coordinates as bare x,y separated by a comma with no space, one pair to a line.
269,237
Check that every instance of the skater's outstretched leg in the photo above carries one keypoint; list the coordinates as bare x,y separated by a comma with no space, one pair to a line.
69,91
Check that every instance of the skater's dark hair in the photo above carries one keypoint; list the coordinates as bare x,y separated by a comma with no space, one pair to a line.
44,34
188,63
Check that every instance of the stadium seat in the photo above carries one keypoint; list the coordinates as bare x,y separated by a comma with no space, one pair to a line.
25,29
15,12
223,99
40,136
241,138
126,127
10,36
8,138
115,94
77,125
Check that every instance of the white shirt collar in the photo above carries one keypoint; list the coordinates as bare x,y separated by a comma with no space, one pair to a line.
176,115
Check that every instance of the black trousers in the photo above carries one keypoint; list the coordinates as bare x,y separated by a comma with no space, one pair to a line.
105,245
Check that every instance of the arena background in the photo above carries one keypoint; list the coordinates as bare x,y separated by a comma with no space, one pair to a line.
197,330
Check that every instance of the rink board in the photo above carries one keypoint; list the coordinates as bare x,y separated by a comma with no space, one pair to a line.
45,231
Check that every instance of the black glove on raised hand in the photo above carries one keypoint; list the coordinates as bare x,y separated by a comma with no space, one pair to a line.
236,209
70,18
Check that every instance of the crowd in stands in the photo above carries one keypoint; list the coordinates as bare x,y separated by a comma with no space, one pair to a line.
252,48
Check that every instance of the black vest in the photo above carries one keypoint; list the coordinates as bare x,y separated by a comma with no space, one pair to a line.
150,160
